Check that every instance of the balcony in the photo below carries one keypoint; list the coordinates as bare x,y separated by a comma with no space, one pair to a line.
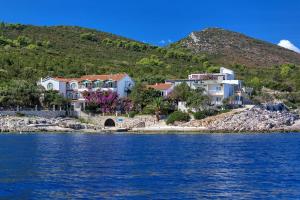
217,103
215,92
82,89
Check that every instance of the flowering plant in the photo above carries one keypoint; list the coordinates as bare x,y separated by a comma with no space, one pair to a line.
106,101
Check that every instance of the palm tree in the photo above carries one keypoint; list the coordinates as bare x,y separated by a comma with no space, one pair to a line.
157,106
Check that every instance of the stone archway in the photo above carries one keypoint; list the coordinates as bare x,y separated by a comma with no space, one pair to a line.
109,123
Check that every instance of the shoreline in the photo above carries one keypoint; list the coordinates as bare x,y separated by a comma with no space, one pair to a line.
150,132
253,120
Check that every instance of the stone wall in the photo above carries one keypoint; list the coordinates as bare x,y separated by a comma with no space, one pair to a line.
120,121
42,113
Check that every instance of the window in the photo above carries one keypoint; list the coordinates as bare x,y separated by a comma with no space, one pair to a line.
75,96
218,88
73,86
109,84
50,86
98,84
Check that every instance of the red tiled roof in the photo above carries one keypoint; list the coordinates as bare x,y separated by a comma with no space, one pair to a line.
114,77
160,86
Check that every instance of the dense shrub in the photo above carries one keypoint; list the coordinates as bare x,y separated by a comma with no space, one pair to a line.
148,110
92,108
131,114
88,36
205,113
199,115
178,116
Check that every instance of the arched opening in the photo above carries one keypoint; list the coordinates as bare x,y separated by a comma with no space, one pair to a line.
109,123
50,86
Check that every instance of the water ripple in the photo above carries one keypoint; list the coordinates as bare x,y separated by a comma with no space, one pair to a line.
123,166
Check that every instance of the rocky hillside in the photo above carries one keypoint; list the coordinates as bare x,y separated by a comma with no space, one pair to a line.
227,47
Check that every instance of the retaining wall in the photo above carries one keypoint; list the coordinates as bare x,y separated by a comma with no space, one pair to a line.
42,113
120,121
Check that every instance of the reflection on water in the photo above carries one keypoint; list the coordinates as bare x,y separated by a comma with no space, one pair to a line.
206,166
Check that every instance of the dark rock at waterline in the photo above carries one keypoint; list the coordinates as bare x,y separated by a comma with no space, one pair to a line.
274,107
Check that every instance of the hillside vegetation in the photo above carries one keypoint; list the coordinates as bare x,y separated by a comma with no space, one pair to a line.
28,53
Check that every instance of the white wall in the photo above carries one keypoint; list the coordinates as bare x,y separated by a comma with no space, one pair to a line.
214,87
182,106
121,85
229,73
57,85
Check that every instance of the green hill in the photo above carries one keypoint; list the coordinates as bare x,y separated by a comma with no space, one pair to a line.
30,52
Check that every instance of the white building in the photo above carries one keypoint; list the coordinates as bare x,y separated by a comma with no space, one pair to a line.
218,86
73,88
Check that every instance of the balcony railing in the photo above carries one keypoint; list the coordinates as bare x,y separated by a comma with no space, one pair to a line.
215,92
216,102
98,87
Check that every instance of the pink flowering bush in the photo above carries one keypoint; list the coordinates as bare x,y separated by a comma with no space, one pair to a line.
125,105
106,102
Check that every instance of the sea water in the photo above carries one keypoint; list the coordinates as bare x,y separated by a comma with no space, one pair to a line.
154,166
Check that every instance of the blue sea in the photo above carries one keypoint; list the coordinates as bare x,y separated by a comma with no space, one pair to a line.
155,166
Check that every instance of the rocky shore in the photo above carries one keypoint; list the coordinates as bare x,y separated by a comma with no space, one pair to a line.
34,124
254,119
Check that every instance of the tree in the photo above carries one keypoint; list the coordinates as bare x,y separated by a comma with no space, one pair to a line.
158,106
141,96
181,92
285,70
152,61
152,79
197,100
53,98
255,82
19,93
213,69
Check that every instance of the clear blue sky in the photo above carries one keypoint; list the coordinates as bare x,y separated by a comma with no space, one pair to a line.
155,20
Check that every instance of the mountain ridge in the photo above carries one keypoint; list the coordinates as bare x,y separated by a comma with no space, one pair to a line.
230,47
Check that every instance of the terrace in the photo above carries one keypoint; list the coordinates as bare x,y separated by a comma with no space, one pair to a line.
98,84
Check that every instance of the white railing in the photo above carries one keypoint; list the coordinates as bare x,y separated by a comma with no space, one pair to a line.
216,102
216,92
